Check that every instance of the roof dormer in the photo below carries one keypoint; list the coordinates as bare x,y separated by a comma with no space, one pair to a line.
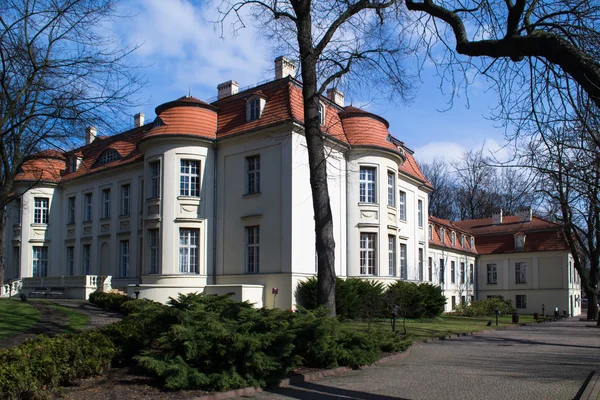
107,156
255,105
519,241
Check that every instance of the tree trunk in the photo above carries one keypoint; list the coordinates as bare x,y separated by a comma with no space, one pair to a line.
2,241
317,162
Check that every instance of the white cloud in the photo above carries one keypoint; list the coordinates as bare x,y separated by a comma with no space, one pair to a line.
452,151
180,43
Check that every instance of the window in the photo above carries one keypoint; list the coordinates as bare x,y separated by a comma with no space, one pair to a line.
570,276
420,264
442,277
126,199
40,261
108,156
40,210
17,258
430,269
462,241
392,254
253,174
124,259
87,253
453,239
367,185
189,178
70,260
463,300
155,179
391,189
402,206
321,114
254,109
472,243
519,241
442,235
154,251
520,272
462,272
471,274
453,302
73,163
252,249
368,247
18,211
71,210
492,274
420,213
87,204
430,232
188,251
521,301
403,266
141,192
452,272
106,203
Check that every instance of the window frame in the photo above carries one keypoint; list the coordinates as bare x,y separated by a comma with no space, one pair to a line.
421,255
153,251
492,272
430,268
125,199
391,185
463,271
442,271
403,261
70,260
41,210
86,258
521,304
392,255
452,271
88,201
189,181
420,213
321,110
368,254
189,249
367,186
252,250
253,108
39,261
106,203
154,189
402,206
520,272
252,181
71,209
124,251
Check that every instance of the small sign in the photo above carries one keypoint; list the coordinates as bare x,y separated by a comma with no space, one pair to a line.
275,290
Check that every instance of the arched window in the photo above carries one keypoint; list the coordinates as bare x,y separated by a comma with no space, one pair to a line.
255,106
108,156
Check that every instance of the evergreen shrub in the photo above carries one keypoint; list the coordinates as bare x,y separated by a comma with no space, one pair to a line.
482,308
108,301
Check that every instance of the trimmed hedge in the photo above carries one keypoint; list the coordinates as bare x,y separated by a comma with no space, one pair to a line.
482,308
109,301
40,366
366,299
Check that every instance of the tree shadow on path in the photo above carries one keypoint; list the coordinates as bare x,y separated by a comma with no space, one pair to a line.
313,391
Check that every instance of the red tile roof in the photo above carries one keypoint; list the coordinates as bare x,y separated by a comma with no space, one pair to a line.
450,227
44,166
540,234
410,167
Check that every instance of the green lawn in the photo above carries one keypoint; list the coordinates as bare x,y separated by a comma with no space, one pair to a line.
76,320
16,317
443,326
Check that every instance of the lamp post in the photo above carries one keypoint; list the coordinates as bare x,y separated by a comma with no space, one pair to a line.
497,313
136,290
543,309
394,316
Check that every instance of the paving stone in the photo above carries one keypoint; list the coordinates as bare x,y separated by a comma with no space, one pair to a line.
543,361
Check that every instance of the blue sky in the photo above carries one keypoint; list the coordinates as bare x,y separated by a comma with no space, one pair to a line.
182,52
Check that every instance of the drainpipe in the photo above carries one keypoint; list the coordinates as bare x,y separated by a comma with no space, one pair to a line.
214,227
347,216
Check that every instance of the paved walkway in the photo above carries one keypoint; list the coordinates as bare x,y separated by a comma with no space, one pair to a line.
98,316
544,361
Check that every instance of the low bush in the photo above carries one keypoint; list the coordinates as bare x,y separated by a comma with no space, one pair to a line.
220,344
482,308
109,301
39,367
367,299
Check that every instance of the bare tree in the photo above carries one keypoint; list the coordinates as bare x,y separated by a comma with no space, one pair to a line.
58,74
441,199
332,40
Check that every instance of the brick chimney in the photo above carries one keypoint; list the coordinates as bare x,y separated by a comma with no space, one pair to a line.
525,214
90,134
497,217
227,89
138,120
284,67
336,96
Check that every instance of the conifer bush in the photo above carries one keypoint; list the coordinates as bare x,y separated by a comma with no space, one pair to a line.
109,301
483,308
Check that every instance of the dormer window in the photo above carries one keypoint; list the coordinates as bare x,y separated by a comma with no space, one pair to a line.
430,232
108,156
462,241
453,238
472,243
321,114
74,163
519,241
254,107
442,238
